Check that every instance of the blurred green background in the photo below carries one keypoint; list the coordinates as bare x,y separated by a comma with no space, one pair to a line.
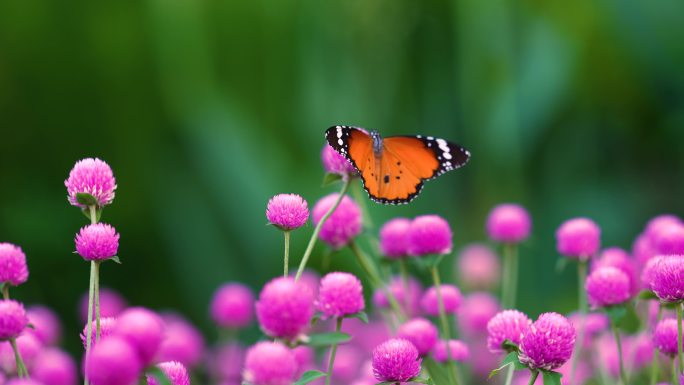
205,109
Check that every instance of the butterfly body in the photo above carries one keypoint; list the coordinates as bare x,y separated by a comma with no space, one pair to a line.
394,168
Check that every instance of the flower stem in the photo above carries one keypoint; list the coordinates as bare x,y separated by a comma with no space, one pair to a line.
333,351
96,303
373,275
94,273
403,270
286,257
582,298
5,291
510,283
674,371
446,333
533,377
680,358
655,366
509,374
21,367
317,229
616,333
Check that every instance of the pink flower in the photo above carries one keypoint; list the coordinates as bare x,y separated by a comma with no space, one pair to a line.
669,240
13,269
668,278
394,238
475,312
287,211
607,286
97,242
429,234
396,360
305,357
665,336
29,347
578,238
548,342
459,351
506,325
269,363
113,362
227,361
508,223
182,342
335,163
13,319
343,224
478,267
408,298
340,294
143,329
284,308
94,177
421,332
46,325
232,306
174,371
54,367
347,363
451,297
107,325
619,259
111,304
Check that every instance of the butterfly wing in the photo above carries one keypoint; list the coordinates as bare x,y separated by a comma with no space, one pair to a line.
353,143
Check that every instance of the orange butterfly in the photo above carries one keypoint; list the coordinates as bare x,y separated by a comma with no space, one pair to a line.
393,169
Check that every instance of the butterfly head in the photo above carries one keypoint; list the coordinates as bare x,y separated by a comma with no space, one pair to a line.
377,143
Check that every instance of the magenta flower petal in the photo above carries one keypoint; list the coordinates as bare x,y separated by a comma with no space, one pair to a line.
478,267
29,347
113,361
508,223
421,333
396,360
578,238
174,371
394,243
408,298
506,325
227,361
475,312
343,224
232,306
46,325
94,177
607,286
665,337
335,163
429,234
548,342
13,268
287,211
13,319
451,297
107,325
182,342
97,242
667,280
54,367
340,294
269,363
143,329
284,308
459,351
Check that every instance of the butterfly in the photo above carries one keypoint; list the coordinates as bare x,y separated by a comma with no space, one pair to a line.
394,168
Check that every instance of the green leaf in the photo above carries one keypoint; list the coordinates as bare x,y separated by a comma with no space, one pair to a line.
116,259
551,378
647,295
421,380
157,373
631,322
327,339
561,263
330,178
86,199
360,315
616,313
309,376
317,317
437,373
509,346
98,214
510,359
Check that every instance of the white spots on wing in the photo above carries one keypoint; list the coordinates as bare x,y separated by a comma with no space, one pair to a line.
430,138
340,142
447,155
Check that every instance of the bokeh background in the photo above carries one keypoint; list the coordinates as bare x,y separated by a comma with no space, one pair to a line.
205,109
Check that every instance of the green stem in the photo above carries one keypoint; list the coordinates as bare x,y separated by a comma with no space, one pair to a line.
317,229
403,270
616,333
446,333
333,351
510,286
286,257
680,358
373,275
91,293
5,291
533,377
96,303
655,367
582,298
674,371
509,374
21,367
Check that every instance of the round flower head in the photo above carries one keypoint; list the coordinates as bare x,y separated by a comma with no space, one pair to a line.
107,325
607,286
97,242
508,223
46,325
113,361
578,238
111,304
54,367
506,325
305,357
335,163
226,362
668,278
475,312
658,222
642,249
478,267
408,298
347,363
665,336
366,335
396,360
421,333
23,381
260,368
394,238
668,238
548,343
29,347
287,211
648,272
94,177
284,308
619,259
451,298
144,329
13,269
310,279
459,351
594,324
13,319
342,225
232,306
340,294
641,350
182,342
174,371
429,234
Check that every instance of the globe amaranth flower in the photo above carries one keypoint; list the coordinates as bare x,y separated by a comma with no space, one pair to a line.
343,224
284,308
97,242
659,222
396,360
548,342
667,281
305,357
408,296
475,312
23,381
13,269
113,361
226,362
54,367
29,347
669,240
421,333
665,336
607,286
429,234
508,223
46,325
287,211
94,177
13,319
451,298
111,304
107,325
506,325
459,351
578,238
144,329
335,163
182,342
269,363
478,267
642,249
594,324
619,259
394,238
232,306
174,371
339,295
